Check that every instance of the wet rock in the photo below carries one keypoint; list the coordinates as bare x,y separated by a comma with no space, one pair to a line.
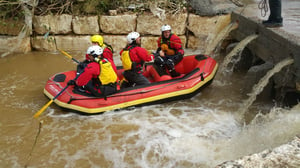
85,25
151,24
205,29
112,12
287,155
212,7
11,27
74,43
60,24
41,43
8,44
298,86
121,24
253,76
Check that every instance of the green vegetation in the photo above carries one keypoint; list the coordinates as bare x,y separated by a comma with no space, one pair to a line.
92,7
12,9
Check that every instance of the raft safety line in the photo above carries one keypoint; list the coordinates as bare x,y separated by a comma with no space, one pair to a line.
140,92
34,144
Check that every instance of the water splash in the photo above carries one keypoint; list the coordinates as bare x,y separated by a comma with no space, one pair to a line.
258,88
151,136
215,44
237,49
265,132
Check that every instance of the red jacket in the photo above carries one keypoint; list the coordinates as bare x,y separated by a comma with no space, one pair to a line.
174,42
92,70
138,55
108,55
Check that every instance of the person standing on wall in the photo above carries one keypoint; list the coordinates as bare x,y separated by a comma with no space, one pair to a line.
98,78
275,19
169,51
133,57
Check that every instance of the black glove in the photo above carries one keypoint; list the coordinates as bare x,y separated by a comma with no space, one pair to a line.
158,50
156,54
71,82
81,65
177,57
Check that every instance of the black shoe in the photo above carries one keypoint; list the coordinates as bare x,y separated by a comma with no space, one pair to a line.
269,23
174,73
265,21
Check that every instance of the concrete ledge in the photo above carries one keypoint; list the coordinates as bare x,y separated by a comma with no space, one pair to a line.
272,45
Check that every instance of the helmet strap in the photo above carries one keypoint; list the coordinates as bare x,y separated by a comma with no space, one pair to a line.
134,42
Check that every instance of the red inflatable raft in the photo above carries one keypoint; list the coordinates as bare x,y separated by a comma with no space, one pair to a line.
197,71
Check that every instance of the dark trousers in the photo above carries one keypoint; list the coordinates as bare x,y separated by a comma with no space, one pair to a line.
99,90
168,61
134,78
275,11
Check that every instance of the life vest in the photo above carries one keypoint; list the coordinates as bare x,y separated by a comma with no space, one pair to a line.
125,58
107,74
108,46
166,46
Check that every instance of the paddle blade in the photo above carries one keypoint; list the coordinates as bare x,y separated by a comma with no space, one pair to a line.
37,114
66,54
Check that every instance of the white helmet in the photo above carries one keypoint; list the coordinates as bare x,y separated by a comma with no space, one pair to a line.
165,28
94,50
132,37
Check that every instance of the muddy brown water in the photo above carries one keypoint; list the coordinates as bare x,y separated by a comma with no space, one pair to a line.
202,131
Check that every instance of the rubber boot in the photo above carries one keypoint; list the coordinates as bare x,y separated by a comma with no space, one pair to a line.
275,18
173,73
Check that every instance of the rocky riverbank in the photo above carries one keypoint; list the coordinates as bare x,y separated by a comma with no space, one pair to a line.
286,155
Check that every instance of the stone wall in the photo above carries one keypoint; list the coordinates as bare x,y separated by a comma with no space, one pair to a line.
72,33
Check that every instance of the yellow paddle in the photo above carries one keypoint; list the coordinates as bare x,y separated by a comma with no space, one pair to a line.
68,55
51,101
43,109
37,114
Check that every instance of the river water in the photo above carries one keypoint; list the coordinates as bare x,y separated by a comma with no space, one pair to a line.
200,132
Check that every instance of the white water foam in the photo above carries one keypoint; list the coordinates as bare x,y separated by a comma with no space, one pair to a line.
155,132
164,136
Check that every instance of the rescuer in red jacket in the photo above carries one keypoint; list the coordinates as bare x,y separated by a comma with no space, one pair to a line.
133,57
107,49
169,51
107,53
98,78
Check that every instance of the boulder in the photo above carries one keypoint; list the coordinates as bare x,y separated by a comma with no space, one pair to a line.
85,25
52,24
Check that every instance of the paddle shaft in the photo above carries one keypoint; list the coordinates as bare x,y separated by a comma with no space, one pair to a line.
48,104
37,114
